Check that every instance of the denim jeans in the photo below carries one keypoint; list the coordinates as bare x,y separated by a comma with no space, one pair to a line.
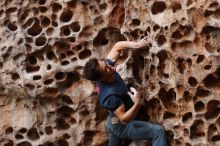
135,130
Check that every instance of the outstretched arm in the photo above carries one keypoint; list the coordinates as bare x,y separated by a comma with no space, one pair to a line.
124,45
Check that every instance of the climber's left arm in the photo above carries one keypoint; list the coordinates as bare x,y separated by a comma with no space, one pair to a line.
124,45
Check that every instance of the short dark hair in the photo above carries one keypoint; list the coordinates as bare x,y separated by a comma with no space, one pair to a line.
91,70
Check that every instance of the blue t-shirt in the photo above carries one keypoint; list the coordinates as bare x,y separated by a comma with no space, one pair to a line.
112,95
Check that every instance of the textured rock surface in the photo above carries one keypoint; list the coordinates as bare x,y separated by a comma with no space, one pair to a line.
44,101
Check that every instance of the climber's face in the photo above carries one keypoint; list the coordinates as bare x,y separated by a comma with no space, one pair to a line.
105,69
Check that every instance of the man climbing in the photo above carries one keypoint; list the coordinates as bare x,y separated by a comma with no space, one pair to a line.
122,104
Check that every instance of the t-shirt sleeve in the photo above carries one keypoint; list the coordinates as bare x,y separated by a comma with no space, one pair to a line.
110,62
112,102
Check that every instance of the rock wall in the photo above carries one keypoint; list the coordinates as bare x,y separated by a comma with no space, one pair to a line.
44,44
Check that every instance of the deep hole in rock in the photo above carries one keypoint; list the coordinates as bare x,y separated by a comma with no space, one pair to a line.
65,110
66,31
60,75
173,46
103,6
202,92
1,65
73,59
48,130
28,23
71,78
199,106
208,29
24,143
70,53
211,81
51,91
56,7
167,97
208,13
29,40
186,44
65,62
54,23
42,9
186,132
88,135
35,29
51,56
62,55
216,138
37,77
192,81
23,130
66,136
181,65
66,16
24,15
30,69
161,39
50,31
214,4
61,124
168,115
40,41
12,27
207,67
137,67
49,67
217,12
15,76
197,129
134,34
189,61
45,21
156,27
211,130
29,86
18,136
108,32
85,54
158,7
176,7
31,60
200,58
79,47
49,144
72,39
47,82
62,142
104,41
71,4
73,121
42,2
213,109
66,99
9,130
32,134
11,10
152,69
75,26
10,143
136,22
62,46
162,55
189,2
186,117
